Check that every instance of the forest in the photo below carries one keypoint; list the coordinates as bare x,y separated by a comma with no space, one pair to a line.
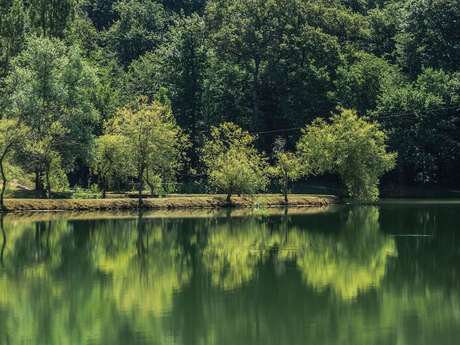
229,96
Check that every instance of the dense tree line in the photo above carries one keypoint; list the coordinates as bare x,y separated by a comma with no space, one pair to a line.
72,73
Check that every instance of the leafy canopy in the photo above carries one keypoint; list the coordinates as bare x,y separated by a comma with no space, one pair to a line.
351,147
233,164
154,142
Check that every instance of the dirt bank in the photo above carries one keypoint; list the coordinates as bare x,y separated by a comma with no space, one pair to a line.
176,202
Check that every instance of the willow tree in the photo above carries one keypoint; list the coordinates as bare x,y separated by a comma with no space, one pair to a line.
353,148
232,162
154,142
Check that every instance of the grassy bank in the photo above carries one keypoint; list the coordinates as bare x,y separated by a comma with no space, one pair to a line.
174,202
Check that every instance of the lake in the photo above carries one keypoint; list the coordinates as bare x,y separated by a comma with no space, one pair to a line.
370,275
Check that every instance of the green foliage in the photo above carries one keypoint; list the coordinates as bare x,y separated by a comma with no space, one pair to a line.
421,119
12,136
51,18
177,66
12,32
353,148
139,28
92,193
385,22
429,35
287,167
271,61
155,144
360,82
111,160
233,164
101,12
51,91
266,65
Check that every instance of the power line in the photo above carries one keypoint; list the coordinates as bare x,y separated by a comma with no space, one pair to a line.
378,118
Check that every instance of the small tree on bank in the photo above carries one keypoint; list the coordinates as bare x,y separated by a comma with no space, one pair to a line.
352,147
154,141
110,160
287,167
12,134
232,163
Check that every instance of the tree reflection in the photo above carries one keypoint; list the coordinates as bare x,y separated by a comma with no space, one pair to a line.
4,239
65,282
234,249
351,262
164,281
147,270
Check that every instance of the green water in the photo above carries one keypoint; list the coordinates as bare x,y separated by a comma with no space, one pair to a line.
347,275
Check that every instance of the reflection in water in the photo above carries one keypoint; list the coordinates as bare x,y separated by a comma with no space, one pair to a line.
167,281
146,267
349,263
234,250
4,239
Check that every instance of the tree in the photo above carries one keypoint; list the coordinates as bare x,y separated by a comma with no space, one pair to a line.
100,12
350,146
421,118
233,164
429,36
140,27
50,17
51,90
385,22
41,152
271,63
177,66
287,167
12,134
110,160
185,6
12,32
360,82
154,141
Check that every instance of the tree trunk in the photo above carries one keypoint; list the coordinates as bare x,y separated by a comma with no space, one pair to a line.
152,190
285,190
147,180
140,187
48,183
4,182
229,198
255,89
39,183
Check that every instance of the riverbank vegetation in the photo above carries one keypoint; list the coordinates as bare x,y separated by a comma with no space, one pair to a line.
184,96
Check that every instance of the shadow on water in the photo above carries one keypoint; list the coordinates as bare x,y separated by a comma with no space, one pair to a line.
265,277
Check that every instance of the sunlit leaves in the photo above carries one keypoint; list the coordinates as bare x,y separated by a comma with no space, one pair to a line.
154,142
233,163
353,148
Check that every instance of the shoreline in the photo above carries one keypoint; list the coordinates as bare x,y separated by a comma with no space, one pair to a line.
168,203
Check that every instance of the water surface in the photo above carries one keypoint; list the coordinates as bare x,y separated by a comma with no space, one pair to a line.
344,275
